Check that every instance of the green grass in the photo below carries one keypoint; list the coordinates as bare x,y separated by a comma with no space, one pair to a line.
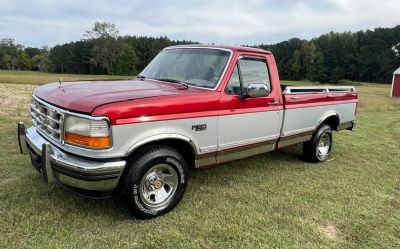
39,78
273,200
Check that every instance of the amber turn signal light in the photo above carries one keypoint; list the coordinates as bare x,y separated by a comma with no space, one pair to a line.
93,142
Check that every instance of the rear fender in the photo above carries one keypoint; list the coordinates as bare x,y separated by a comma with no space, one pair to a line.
331,118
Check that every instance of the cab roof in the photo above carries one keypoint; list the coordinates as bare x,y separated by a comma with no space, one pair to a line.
233,48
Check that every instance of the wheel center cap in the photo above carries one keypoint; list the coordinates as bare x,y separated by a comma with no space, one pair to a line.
157,184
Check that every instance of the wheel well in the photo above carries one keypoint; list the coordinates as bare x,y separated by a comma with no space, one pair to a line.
332,121
184,148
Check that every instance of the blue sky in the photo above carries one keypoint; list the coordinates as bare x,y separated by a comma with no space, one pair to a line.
45,22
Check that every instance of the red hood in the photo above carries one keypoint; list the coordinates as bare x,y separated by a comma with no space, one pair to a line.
85,96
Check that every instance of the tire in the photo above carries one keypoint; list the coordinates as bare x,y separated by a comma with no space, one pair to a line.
319,147
155,181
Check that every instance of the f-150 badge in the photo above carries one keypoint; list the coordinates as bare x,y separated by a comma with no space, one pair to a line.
199,127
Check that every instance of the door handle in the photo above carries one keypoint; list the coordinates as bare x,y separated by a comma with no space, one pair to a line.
273,103
294,97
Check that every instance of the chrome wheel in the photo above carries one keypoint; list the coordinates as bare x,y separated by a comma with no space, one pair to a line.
324,145
158,185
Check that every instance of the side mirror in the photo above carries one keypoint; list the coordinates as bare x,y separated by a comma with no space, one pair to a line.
257,90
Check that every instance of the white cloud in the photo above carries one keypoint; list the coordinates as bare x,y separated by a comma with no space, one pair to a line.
43,22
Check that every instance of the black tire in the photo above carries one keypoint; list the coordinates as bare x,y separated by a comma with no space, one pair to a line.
145,168
312,151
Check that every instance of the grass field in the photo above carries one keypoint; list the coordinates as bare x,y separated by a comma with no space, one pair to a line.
39,78
273,200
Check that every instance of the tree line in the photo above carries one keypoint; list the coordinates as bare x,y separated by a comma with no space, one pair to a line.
368,56
101,51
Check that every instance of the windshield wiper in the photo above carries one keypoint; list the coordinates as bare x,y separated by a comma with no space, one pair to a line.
141,77
174,81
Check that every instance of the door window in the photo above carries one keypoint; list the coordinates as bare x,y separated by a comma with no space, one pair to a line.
248,71
234,83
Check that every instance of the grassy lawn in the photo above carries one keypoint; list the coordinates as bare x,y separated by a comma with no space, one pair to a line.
273,200
39,78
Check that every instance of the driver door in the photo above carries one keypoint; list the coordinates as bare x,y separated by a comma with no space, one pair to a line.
248,125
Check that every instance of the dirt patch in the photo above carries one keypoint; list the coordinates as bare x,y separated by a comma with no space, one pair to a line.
330,231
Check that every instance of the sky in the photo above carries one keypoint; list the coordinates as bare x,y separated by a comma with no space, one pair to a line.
248,22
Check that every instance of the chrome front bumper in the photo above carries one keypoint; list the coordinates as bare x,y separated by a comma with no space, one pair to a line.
90,178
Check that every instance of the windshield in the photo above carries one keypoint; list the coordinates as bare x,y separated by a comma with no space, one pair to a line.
200,67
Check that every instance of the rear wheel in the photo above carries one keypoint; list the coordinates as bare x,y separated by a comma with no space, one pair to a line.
155,182
320,145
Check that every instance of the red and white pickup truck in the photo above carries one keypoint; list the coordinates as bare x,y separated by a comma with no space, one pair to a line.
191,107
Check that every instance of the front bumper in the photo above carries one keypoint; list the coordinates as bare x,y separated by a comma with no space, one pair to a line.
91,178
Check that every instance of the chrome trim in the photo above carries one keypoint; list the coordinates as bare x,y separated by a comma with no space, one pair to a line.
256,57
247,142
324,146
23,148
294,140
257,90
45,103
205,161
244,152
234,153
82,165
51,154
162,137
40,118
34,140
297,132
328,115
67,113
207,149
47,171
223,72
325,89
158,186
87,185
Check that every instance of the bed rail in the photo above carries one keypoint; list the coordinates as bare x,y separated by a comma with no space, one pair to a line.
318,89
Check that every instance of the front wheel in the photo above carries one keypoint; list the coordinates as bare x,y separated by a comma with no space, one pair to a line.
320,145
155,182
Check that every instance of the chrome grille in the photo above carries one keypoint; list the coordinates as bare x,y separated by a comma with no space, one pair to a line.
47,119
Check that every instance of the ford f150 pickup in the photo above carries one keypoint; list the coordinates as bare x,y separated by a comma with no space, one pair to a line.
191,107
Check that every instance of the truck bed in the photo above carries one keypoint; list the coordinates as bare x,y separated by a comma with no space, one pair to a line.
306,106
287,89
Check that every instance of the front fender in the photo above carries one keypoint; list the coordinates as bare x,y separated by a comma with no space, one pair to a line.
161,137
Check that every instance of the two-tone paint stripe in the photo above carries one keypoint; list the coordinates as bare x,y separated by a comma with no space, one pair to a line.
213,113
203,114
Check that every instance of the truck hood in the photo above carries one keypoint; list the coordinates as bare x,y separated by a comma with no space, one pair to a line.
85,96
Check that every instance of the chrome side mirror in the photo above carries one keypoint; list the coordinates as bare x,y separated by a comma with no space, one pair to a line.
257,90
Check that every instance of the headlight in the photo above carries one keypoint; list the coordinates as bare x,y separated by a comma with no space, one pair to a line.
86,132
